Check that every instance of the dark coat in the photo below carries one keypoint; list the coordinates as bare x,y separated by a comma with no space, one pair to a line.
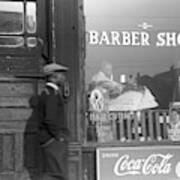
52,115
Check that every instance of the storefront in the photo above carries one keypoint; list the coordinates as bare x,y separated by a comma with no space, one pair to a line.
132,86
113,120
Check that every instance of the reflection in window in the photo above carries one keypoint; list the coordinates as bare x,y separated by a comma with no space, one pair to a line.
31,42
13,42
140,83
11,15
31,17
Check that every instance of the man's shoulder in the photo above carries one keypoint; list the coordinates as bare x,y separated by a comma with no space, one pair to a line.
48,91
45,93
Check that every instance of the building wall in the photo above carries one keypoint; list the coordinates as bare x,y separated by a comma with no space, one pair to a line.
21,81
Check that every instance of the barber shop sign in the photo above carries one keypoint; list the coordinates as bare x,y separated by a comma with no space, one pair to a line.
138,163
135,38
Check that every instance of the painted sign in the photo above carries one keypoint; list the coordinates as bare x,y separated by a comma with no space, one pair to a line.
133,38
138,163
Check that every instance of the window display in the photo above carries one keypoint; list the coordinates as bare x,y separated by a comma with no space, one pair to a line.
132,65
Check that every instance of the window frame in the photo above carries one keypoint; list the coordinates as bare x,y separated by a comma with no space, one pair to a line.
25,34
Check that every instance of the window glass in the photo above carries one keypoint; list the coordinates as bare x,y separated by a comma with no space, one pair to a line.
132,69
139,39
18,20
31,24
31,42
12,41
11,17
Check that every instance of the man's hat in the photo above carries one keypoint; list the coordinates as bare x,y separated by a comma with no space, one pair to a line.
54,67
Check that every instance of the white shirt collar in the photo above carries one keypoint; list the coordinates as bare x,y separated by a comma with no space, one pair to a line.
53,85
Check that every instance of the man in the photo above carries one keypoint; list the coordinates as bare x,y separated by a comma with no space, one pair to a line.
53,132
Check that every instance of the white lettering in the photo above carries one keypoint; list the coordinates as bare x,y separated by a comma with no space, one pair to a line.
145,39
171,39
110,155
135,38
115,38
104,38
178,39
122,167
152,165
161,41
93,37
126,40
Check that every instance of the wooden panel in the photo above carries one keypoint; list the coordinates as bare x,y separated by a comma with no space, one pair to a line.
16,88
8,152
67,46
10,114
73,171
19,152
75,159
1,152
7,176
42,24
88,165
18,65
82,95
17,126
14,101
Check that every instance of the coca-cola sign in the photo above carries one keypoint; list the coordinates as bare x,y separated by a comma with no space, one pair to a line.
153,164
131,163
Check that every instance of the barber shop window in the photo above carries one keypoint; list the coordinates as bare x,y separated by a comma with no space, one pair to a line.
133,70
18,24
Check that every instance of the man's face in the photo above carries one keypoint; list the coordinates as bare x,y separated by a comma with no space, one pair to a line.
60,78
